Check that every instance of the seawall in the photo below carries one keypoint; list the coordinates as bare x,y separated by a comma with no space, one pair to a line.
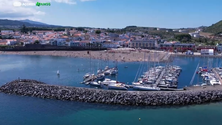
159,98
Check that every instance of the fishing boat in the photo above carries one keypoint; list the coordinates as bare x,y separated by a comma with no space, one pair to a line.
146,88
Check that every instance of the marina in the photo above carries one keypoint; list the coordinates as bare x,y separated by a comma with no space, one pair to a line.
46,68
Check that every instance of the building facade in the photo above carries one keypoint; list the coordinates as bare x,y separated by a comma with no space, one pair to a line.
179,47
145,44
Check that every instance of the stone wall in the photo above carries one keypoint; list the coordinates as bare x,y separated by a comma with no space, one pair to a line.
159,98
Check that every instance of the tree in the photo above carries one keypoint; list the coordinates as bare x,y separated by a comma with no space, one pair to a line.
183,37
98,31
36,42
85,31
80,29
24,29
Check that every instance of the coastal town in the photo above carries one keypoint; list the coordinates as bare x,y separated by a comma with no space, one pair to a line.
112,62
96,38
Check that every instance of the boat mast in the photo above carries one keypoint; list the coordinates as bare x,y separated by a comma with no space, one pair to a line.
191,82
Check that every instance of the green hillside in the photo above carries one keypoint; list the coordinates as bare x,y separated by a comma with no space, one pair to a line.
215,28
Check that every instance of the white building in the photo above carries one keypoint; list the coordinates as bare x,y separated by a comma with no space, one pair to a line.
151,43
196,35
183,31
7,31
74,44
207,51
11,42
110,44
219,48
16,36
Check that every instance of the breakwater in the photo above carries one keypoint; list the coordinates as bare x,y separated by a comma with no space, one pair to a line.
187,97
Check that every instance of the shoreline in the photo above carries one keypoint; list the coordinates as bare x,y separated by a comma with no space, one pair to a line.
119,56
190,96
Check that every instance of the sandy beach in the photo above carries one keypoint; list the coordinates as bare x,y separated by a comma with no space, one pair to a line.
113,55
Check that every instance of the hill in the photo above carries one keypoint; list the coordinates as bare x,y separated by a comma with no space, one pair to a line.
215,28
32,22
5,23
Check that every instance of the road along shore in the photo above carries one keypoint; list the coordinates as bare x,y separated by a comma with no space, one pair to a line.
191,95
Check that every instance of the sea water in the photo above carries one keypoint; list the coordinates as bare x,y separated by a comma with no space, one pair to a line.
23,110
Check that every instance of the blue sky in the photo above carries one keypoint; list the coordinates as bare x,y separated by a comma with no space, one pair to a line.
122,13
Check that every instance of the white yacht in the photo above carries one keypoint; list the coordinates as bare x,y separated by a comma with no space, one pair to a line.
108,81
137,83
146,88
215,82
118,86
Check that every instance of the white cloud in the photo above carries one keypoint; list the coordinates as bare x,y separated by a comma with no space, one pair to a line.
86,0
8,10
12,9
66,1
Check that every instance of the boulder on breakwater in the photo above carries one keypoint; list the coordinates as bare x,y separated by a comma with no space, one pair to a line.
159,98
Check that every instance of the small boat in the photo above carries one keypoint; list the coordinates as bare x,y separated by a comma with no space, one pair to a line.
93,83
137,83
87,75
99,71
113,72
126,67
107,72
106,68
146,88
58,72
100,77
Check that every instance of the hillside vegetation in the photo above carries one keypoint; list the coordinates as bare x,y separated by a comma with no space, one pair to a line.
215,28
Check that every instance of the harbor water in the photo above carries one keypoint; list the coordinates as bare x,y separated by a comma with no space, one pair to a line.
30,110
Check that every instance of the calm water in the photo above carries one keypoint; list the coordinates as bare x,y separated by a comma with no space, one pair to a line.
29,110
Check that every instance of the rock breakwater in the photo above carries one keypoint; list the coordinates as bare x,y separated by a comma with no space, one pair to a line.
39,89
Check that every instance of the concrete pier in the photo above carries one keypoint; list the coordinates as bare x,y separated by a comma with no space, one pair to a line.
217,75
160,77
192,95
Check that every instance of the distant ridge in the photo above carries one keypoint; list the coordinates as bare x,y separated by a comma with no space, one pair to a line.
28,23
